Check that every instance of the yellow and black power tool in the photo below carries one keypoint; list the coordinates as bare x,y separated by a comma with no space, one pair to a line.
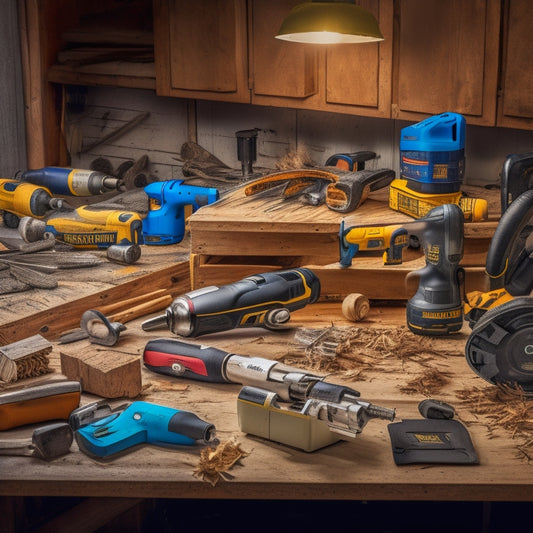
262,300
500,346
18,199
86,227
437,306
432,165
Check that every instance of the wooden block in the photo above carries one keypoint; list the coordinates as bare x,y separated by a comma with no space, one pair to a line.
110,375
25,358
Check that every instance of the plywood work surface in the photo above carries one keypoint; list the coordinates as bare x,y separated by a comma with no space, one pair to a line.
360,469
270,225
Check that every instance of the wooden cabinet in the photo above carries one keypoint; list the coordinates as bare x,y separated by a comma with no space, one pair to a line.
516,103
279,68
447,59
348,78
201,49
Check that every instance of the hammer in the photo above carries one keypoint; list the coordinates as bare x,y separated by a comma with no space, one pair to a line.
47,442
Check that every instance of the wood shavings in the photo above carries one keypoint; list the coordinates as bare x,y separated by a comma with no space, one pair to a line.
294,160
215,463
506,408
427,384
357,349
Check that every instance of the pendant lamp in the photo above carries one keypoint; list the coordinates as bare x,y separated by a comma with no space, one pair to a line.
330,22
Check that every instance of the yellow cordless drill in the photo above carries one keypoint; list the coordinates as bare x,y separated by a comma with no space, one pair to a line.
86,227
18,199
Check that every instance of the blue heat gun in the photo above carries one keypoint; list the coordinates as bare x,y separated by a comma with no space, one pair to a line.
138,423
165,222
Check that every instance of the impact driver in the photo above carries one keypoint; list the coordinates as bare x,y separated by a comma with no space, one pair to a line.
263,300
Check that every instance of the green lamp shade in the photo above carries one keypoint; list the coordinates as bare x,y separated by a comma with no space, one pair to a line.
329,23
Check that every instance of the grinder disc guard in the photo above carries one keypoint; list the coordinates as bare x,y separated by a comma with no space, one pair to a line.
500,347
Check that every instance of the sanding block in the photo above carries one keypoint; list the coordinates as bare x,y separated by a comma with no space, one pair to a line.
431,440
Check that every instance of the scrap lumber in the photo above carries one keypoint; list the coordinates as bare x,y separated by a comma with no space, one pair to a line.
107,373
25,358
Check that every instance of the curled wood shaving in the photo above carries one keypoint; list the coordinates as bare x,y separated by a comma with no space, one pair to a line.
33,366
215,463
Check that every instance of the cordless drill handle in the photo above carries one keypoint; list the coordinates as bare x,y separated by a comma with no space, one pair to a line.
182,359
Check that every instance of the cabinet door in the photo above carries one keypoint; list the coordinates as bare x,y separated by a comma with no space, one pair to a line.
348,78
279,68
516,105
359,75
201,49
447,59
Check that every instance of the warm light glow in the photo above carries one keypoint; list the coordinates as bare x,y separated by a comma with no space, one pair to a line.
326,37
329,23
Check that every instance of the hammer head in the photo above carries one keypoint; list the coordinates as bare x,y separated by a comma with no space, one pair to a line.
52,440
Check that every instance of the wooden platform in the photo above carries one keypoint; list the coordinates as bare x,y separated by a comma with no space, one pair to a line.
52,312
240,235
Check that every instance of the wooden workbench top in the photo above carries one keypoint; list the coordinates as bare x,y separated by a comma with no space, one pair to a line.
361,469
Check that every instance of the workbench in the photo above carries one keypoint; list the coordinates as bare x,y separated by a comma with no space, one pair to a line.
361,469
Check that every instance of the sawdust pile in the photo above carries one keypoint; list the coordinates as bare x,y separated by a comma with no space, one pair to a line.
215,463
505,408
357,350
428,383
294,160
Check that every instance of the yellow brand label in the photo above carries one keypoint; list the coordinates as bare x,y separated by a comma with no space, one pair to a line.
431,438
440,171
89,238
433,253
441,315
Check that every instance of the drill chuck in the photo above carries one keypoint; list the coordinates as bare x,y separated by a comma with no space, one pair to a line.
384,413
72,181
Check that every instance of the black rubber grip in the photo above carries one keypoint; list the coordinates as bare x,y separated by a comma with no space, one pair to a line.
508,231
351,190
183,359
330,392
190,425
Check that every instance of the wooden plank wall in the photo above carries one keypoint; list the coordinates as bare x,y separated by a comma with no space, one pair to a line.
173,121
12,128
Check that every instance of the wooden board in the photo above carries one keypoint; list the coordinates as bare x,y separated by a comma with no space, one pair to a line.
52,312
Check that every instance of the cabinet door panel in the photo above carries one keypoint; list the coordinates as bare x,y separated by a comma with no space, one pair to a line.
201,49
355,73
517,101
448,58
279,68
